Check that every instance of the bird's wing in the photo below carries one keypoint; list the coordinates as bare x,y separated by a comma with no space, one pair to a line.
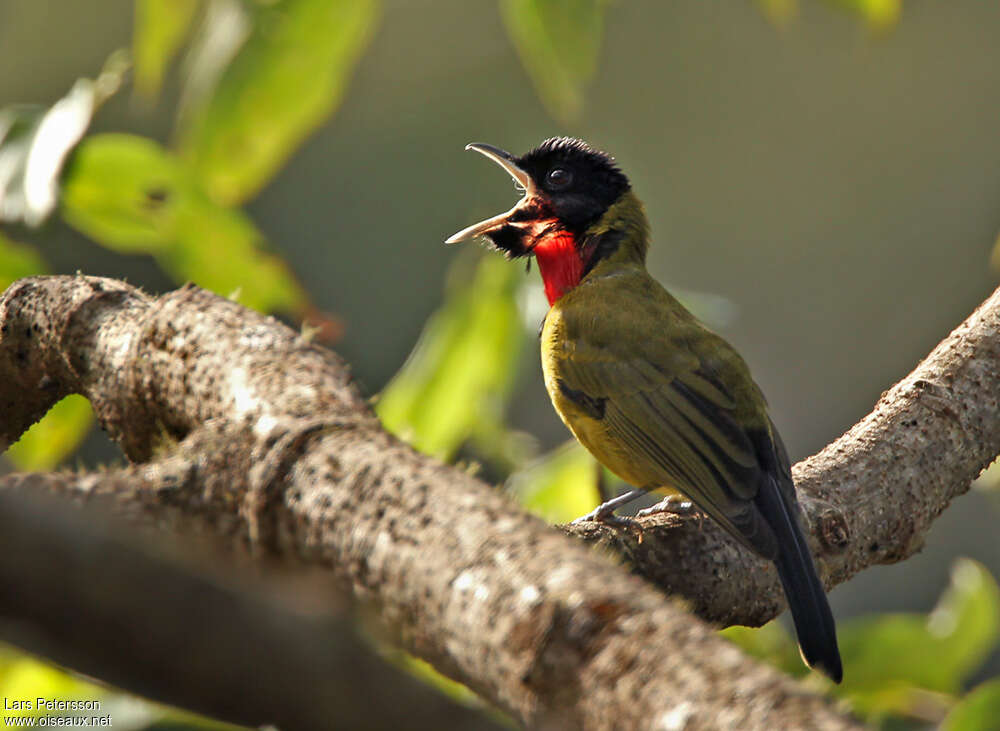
674,415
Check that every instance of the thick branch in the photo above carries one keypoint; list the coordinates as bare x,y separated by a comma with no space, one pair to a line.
91,596
278,451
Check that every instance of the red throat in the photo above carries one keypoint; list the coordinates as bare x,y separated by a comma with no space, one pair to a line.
559,263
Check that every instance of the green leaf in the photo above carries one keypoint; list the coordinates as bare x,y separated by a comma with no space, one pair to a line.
36,141
559,42
160,28
221,250
18,260
287,78
124,192
559,486
457,379
891,660
131,195
46,444
979,710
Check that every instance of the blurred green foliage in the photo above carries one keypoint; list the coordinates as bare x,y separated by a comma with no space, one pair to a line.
161,27
894,660
457,379
285,80
133,196
559,42
49,442
559,486
18,260
911,668
261,75
771,643
979,710
123,191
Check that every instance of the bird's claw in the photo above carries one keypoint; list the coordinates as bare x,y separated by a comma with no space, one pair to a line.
607,517
675,506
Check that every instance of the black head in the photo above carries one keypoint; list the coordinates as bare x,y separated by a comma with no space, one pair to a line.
581,183
568,186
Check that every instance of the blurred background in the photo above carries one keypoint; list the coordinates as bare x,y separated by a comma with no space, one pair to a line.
822,178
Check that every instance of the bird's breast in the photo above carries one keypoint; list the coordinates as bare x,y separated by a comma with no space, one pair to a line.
582,413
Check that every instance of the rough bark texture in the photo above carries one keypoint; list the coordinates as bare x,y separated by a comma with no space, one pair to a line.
241,428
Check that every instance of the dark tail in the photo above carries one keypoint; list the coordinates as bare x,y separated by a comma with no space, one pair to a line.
806,598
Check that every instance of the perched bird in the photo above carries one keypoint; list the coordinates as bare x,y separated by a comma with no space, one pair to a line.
658,398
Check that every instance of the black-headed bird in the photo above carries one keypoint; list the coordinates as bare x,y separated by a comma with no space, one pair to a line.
659,399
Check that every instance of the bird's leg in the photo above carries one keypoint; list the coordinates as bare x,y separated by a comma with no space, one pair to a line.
605,512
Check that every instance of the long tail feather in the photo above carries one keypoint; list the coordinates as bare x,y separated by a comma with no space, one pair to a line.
807,600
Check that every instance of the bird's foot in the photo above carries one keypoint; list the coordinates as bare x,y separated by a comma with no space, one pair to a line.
674,505
605,513
608,517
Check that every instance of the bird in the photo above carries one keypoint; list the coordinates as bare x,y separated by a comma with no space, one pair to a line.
657,398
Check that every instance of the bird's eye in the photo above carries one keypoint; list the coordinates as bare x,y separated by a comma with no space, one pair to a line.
558,178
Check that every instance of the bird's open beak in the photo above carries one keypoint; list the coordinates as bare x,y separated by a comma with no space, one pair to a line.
506,161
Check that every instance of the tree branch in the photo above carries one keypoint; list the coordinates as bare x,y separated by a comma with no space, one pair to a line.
91,596
271,446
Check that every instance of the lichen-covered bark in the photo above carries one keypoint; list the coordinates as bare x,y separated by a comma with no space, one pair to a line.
240,427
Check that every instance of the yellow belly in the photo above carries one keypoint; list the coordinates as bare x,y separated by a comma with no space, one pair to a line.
594,435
